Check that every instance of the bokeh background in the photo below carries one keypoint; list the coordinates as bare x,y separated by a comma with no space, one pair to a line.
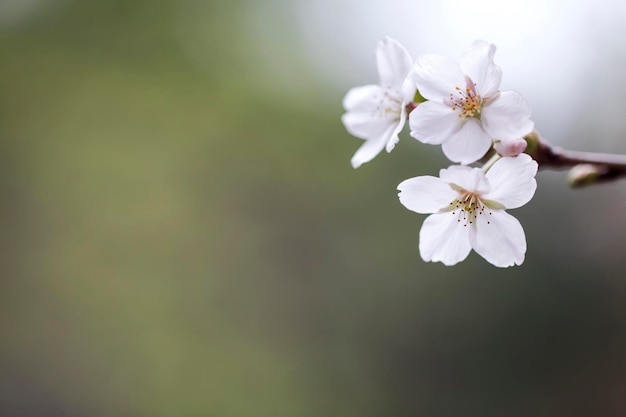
181,233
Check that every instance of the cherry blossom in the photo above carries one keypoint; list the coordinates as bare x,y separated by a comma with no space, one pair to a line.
465,110
468,211
377,113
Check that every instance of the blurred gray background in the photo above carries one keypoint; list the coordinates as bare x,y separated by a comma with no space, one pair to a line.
182,234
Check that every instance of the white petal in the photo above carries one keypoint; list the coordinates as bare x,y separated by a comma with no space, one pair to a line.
371,147
478,64
444,239
499,238
394,139
364,118
394,63
408,89
457,174
507,116
512,181
366,124
433,122
468,178
363,98
467,144
426,194
437,76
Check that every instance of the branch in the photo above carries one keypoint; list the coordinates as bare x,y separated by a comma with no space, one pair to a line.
586,167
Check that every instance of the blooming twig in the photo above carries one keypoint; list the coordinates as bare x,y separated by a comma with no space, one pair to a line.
460,107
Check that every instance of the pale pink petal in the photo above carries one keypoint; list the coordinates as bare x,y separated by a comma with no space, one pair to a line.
408,90
365,125
499,238
459,174
477,63
437,76
426,194
467,144
507,116
510,147
468,178
394,63
433,122
363,98
366,116
393,138
371,147
444,239
512,181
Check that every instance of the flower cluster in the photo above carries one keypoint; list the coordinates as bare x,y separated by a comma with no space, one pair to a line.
459,106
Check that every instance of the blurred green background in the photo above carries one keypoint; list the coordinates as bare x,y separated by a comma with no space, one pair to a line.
182,234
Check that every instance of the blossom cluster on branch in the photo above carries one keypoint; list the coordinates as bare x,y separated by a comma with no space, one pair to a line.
459,106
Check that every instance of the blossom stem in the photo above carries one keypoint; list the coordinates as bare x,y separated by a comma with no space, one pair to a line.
490,162
597,167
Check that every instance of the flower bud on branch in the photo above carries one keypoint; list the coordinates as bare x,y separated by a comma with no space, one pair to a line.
587,167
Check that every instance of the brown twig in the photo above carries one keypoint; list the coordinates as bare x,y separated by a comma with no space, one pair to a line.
587,167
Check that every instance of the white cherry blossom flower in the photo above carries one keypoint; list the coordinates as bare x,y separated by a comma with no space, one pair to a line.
468,209
465,110
377,113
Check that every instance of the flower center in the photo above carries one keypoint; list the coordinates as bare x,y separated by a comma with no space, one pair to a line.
467,102
467,207
389,105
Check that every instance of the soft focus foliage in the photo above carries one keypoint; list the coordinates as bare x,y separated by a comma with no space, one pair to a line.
182,233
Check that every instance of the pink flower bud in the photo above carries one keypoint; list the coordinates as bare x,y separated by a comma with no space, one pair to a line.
510,147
